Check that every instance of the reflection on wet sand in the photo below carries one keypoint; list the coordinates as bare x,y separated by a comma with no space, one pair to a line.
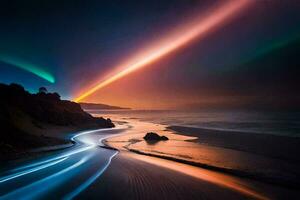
187,149
203,174
177,146
252,171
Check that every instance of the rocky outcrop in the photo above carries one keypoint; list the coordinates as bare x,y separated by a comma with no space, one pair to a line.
151,136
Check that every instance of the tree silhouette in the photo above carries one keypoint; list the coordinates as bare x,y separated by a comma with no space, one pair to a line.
43,90
55,96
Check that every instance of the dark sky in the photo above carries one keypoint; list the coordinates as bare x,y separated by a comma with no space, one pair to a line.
251,61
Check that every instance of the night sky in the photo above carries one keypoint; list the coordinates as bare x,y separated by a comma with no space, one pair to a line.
68,46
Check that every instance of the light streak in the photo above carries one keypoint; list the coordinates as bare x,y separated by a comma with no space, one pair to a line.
44,184
196,29
92,179
27,169
10,177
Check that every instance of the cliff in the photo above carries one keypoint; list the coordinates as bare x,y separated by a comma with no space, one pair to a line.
26,119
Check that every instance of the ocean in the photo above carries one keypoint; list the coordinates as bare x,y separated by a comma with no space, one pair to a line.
276,123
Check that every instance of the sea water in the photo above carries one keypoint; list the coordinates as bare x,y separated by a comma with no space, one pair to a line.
264,122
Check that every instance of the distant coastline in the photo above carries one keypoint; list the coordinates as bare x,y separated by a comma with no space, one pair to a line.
100,106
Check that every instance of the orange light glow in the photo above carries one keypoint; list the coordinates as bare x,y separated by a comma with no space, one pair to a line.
196,29
203,174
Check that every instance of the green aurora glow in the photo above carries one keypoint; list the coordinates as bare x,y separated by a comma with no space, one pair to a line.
27,67
272,47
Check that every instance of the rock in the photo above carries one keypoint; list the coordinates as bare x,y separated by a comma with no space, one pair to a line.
151,136
164,138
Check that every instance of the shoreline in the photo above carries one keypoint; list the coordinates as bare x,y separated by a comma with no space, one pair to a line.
234,172
274,146
62,134
136,145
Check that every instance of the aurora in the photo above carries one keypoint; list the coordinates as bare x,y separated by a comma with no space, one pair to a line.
36,70
275,45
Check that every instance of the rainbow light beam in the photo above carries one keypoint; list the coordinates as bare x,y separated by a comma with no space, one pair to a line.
27,67
197,28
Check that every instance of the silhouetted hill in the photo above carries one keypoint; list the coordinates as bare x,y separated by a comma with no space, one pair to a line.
26,119
99,106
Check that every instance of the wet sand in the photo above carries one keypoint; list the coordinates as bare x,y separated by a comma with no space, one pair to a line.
189,148
132,176
274,146
97,173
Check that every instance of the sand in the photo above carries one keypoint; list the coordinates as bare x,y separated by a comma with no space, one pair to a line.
248,155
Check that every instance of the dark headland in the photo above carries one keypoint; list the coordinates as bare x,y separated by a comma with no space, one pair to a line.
29,121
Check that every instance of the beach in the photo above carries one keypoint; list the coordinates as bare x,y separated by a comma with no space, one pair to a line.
194,163
266,158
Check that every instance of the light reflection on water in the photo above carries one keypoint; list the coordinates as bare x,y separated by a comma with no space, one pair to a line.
278,123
